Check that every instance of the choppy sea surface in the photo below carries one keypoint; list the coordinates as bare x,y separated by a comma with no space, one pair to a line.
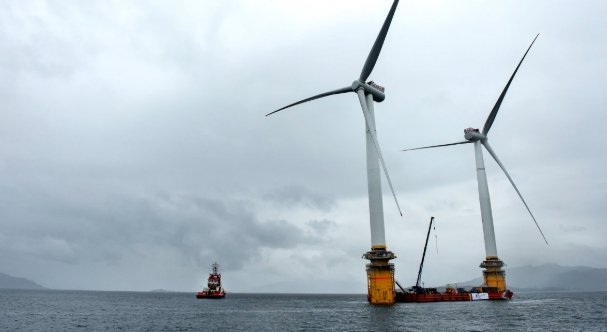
54,310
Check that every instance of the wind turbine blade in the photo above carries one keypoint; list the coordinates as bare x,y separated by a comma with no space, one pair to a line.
496,108
363,104
492,153
379,42
437,146
334,92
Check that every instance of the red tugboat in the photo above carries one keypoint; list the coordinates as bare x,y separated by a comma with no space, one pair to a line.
214,290
421,294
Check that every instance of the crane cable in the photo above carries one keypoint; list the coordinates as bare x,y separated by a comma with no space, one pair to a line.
435,237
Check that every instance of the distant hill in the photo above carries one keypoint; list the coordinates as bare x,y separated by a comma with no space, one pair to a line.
11,282
552,277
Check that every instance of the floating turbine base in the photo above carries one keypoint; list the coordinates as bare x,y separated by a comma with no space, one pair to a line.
493,274
380,277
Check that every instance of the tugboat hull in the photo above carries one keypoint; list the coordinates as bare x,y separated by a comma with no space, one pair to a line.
203,295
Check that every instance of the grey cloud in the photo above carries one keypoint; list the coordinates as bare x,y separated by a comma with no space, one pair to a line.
321,226
105,226
300,196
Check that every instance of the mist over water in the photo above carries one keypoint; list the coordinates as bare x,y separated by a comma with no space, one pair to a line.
50,310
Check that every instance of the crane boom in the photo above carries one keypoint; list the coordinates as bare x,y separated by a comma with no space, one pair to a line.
421,265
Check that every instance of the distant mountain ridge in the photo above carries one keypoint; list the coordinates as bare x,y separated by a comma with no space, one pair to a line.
552,277
10,282
547,277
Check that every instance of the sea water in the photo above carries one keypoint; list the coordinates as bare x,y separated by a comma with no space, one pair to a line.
53,310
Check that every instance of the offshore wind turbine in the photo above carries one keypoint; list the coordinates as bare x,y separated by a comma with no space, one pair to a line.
494,275
380,273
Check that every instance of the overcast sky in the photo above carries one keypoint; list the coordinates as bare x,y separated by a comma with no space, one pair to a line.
134,150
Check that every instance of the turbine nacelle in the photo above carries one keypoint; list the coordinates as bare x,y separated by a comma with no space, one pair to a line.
370,88
473,135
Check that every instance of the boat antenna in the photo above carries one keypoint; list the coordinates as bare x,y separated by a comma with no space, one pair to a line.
421,265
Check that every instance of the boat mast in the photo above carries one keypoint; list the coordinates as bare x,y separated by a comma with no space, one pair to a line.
421,265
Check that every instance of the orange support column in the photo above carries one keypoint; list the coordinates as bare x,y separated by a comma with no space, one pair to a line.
380,277
493,274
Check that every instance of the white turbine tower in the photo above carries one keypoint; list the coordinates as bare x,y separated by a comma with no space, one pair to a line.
380,272
493,274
